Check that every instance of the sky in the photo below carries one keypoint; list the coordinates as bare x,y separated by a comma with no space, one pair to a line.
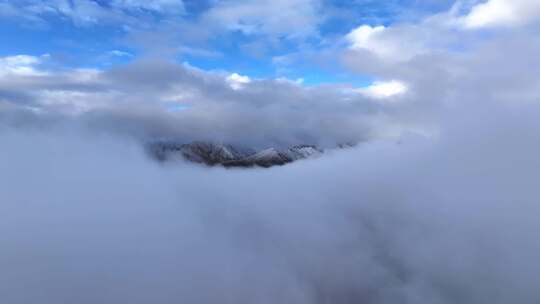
437,204
245,37
258,73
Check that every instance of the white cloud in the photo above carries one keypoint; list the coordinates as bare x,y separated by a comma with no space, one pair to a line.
392,44
444,32
363,38
237,81
495,13
20,65
383,89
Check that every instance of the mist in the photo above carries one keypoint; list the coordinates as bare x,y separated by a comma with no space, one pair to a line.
446,219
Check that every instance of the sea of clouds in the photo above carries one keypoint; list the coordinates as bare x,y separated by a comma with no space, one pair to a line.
89,218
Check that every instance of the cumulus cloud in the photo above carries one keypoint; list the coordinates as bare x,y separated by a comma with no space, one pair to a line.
400,43
503,13
140,99
449,31
440,56
368,38
236,81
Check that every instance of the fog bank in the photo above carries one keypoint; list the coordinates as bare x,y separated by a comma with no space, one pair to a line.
447,219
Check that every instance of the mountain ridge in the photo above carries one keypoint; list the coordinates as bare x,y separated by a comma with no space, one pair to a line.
226,155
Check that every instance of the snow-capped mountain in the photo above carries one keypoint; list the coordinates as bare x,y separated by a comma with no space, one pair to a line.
213,154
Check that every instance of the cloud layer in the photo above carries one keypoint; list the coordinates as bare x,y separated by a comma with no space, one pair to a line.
90,219
158,99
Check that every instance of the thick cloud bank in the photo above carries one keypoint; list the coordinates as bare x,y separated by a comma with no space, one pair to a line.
151,99
446,220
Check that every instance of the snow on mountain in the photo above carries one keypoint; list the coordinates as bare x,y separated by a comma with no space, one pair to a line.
213,154
303,151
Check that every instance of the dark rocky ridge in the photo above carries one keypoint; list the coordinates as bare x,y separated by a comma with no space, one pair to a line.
213,154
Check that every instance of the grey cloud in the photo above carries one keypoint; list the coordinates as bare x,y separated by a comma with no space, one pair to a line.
17,97
483,68
140,99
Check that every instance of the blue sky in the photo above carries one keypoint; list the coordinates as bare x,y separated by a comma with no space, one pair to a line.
208,34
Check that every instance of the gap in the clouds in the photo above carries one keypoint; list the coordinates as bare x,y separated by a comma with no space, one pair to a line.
310,76
249,67
346,79
174,107
234,58
344,15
